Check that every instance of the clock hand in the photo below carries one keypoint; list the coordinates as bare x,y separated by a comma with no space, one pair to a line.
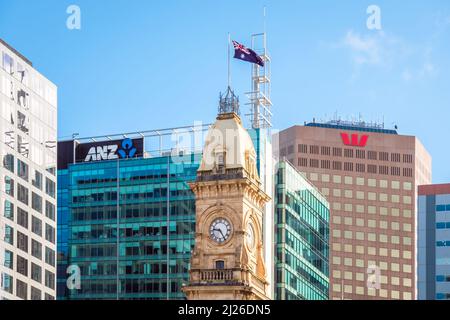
218,229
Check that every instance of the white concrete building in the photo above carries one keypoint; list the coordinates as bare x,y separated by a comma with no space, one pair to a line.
28,134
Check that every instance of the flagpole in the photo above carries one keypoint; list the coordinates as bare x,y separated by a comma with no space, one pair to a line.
265,27
264,17
229,64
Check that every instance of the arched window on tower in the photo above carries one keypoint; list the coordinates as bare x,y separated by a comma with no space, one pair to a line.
220,161
220,264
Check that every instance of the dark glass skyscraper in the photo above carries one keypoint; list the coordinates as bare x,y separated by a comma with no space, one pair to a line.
302,237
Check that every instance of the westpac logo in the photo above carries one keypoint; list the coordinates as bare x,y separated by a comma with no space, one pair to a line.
111,152
354,139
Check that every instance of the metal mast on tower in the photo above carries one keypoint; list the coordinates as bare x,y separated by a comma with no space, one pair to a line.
259,98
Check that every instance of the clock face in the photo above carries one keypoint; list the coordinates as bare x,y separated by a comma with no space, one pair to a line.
250,236
220,230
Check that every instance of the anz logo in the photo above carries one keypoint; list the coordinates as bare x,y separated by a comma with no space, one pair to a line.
111,152
128,150
354,140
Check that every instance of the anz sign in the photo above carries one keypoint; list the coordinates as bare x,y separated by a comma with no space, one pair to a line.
102,153
110,150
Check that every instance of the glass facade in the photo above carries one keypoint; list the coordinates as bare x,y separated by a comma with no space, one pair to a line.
302,237
28,130
151,222
264,162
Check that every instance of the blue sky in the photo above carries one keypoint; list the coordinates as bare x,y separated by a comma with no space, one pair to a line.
138,64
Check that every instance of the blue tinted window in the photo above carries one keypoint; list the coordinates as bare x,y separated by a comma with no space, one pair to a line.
7,282
9,258
447,225
440,207
440,225
440,243
440,278
447,207
440,296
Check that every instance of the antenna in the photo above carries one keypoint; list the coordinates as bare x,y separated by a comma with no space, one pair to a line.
229,63
259,98
264,19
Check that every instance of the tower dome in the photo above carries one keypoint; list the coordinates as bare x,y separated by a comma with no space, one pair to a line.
228,146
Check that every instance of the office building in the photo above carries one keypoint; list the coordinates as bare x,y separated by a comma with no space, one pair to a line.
262,141
302,237
433,242
129,237
369,175
28,124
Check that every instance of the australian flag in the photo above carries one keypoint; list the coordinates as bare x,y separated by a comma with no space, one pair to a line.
243,53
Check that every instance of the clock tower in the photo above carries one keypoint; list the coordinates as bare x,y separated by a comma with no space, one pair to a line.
227,261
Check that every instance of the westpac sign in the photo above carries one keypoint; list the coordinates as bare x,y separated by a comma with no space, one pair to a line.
354,139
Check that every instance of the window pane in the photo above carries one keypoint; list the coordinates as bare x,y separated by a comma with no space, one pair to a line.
36,249
9,235
22,241
36,273
50,187
22,218
22,266
49,279
37,181
21,289
23,122
22,194
7,283
23,146
49,297
50,256
49,233
50,210
8,162
9,210
9,259
9,186
8,63
36,202
36,294
22,170
220,264
36,226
